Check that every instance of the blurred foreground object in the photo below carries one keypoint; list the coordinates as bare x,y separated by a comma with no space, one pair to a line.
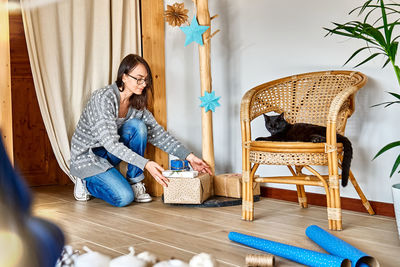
24,240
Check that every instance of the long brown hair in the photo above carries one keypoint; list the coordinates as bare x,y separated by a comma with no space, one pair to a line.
126,66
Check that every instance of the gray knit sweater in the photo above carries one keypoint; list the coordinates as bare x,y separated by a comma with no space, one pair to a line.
98,126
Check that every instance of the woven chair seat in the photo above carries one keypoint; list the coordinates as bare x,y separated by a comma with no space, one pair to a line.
289,153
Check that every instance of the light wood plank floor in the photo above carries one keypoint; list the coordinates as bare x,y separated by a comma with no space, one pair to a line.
181,232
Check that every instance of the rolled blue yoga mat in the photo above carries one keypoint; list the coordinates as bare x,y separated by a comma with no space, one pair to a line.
340,248
300,255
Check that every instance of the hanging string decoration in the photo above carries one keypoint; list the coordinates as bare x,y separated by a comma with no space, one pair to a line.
176,15
209,101
194,32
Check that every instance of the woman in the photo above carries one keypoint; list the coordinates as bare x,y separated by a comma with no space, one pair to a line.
116,125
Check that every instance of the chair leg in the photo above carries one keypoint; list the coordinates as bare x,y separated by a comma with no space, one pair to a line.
245,197
301,196
304,196
360,193
332,200
248,198
301,192
329,207
364,200
336,211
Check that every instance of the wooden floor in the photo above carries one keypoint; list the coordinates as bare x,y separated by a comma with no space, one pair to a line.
181,232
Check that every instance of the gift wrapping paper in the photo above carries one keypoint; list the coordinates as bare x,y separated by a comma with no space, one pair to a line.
300,255
340,248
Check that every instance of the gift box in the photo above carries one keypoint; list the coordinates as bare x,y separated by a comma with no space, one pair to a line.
188,191
179,165
180,174
230,185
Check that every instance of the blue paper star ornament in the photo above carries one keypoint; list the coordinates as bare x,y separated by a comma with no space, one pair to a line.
209,101
194,32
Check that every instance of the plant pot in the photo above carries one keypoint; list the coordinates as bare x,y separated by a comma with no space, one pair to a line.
396,203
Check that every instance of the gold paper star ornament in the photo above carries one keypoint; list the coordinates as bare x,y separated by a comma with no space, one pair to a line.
176,15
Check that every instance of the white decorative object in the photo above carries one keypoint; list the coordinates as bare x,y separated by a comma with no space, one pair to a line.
144,259
128,260
148,257
180,174
203,260
396,203
171,263
92,259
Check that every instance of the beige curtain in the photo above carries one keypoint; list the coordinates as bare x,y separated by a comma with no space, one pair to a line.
75,47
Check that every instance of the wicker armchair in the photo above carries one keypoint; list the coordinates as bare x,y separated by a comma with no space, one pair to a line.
321,98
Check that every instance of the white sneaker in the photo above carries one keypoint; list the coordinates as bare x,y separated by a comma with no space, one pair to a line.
80,191
140,193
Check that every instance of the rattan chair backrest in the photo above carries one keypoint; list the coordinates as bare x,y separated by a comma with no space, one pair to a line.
305,98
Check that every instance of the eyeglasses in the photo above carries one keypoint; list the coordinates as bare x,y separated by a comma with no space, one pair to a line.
139,81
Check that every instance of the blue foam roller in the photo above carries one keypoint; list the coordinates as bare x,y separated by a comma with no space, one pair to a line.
338,247
300,255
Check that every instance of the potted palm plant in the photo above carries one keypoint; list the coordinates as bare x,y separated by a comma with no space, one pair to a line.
377,30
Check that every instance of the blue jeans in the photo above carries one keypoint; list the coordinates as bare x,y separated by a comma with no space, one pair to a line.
111,186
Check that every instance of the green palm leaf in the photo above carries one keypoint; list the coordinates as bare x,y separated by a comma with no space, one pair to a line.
387,104
392,51
355,53
375,34
386,148
362,8
387,61
391,103
397,70
395,165
395,95
384,19
368,59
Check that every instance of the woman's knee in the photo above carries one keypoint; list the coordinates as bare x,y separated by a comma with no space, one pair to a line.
110,186
123,197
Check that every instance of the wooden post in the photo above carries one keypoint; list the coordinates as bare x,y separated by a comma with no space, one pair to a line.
203,17
153,39
5,81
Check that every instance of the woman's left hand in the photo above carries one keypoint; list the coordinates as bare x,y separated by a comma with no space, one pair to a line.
198,164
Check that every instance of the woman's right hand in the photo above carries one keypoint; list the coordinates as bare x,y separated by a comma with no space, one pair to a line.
156,171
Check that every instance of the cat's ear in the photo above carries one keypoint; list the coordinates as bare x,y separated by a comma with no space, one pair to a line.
266,117
281,116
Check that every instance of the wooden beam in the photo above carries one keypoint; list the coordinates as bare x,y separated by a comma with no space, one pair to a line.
203,17
5,81
153,40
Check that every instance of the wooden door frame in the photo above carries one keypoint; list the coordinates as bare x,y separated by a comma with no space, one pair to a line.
5,81
153,50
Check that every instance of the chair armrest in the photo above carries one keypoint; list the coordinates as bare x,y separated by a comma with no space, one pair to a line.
334,109
245,104
338,101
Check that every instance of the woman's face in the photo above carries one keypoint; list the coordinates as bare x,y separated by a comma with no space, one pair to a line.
136,80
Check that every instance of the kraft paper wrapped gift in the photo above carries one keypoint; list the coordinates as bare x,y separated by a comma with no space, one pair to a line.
188,190
230,185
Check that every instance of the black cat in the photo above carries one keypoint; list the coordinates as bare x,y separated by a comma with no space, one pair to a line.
281,130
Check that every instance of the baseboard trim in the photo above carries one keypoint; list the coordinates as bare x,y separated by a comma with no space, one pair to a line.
380,208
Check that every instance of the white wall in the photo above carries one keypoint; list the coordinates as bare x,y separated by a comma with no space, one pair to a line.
262,40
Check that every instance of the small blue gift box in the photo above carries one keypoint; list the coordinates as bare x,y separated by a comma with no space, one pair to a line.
180,165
